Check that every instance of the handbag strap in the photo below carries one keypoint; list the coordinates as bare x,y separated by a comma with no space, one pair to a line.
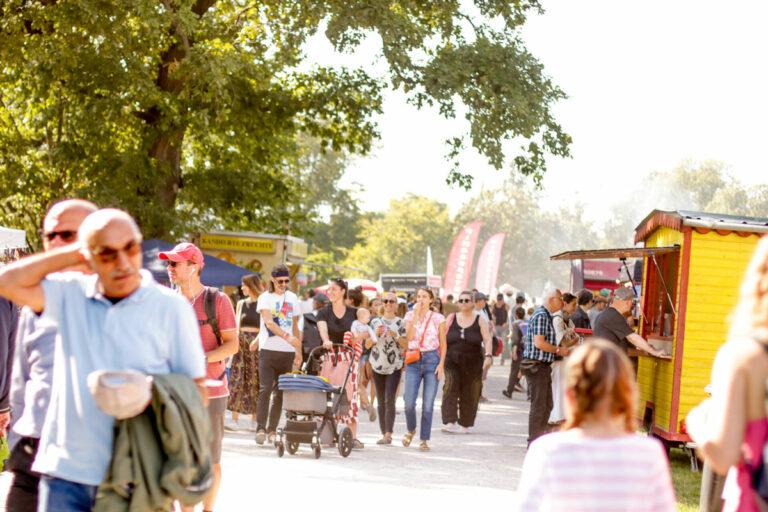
424,331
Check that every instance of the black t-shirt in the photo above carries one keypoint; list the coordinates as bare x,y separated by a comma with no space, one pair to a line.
580,319
337,326
500,315
612,326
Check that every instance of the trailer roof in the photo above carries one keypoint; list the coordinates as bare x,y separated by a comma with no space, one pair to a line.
676,219
612,254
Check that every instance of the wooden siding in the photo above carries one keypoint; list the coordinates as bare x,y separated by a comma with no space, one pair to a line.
717,267
655,376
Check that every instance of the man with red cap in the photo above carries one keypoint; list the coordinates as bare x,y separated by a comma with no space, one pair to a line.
218,330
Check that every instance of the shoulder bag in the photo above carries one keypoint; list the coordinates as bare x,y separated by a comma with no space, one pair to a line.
414,355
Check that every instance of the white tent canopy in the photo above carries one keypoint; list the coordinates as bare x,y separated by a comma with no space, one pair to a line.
12,238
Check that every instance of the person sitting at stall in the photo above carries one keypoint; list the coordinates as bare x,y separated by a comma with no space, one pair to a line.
612,325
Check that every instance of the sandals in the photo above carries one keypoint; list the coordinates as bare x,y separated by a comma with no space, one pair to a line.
407,438
385,440
423,446
357,444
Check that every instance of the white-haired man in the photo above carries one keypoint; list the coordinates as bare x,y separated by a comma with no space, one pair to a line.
118,318
540,348
33,365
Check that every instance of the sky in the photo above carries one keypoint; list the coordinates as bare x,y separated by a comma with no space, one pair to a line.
649,85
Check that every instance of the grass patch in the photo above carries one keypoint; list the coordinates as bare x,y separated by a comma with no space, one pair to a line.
687,483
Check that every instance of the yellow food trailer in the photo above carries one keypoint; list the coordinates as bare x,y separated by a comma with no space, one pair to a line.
256,251
694,263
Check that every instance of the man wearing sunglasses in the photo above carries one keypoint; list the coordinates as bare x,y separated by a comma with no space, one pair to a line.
219,337
118,318
33,364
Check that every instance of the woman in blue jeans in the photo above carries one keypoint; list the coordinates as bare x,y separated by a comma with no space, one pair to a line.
425,331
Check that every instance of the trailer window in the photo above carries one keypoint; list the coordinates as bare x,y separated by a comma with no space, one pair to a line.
660,297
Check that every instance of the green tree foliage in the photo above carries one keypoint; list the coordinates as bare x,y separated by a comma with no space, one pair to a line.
533,233
188,112
397,241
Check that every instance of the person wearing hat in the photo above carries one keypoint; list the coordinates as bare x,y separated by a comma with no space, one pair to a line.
612,324
118,318
219,340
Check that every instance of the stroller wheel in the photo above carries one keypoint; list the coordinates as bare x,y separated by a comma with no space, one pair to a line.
292,447
317,451
345,442
280,447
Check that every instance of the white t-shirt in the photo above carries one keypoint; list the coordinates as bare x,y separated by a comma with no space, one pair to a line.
284,309
567,471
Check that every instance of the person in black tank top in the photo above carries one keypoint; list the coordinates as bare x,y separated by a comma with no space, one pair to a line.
244,371
468,339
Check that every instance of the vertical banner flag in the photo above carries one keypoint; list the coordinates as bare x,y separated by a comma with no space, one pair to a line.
460,259
488,264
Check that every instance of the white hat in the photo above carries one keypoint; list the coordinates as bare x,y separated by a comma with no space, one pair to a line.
121,393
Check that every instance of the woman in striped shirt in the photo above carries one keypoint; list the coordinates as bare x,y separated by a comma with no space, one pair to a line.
598,462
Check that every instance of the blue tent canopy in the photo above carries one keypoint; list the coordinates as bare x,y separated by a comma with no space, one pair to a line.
216,272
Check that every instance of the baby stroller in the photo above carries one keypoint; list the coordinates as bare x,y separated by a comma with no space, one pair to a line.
311,405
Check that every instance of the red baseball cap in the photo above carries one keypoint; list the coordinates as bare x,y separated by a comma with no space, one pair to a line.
184,251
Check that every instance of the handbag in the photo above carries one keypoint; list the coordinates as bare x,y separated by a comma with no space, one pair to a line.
414,355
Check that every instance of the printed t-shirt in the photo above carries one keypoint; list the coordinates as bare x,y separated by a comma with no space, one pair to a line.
568,471
612,326
337,326
386,355
225,315
430,332
284,310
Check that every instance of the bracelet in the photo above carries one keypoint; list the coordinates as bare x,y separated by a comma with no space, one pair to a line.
489,355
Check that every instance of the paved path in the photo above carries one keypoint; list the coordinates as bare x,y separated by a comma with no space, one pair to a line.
472,470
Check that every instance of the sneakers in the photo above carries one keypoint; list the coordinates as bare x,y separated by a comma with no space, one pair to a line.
231,426
450,428
506,393
261,437
467,430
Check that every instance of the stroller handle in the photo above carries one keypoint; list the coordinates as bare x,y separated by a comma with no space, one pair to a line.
322,349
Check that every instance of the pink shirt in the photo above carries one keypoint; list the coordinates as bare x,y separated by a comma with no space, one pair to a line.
432,334
225,314
567,471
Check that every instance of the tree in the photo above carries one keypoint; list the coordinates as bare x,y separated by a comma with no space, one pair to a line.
187,112
397,241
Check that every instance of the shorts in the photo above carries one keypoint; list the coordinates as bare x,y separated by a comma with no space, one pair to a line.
216,409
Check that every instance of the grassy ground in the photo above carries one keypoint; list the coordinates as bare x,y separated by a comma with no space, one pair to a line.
687,483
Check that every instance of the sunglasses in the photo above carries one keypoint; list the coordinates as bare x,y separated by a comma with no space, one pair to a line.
66,235
282,281
109,254
464,301
389,301
172,264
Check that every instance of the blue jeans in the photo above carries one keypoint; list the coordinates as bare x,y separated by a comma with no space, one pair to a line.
57,495
423,369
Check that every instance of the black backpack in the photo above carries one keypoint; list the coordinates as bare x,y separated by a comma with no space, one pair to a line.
209,306
311,338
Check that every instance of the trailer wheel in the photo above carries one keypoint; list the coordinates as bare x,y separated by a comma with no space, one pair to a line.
280,447
317,451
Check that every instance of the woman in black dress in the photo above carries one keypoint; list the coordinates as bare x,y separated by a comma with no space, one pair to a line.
244,373
469,354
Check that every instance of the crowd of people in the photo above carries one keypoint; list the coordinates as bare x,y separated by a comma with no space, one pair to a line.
105,361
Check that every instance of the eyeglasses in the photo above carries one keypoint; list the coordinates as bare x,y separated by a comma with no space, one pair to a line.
464,301
109,254
66,235
389,301
282,281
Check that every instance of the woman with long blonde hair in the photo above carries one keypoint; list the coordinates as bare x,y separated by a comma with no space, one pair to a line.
731,429
598,461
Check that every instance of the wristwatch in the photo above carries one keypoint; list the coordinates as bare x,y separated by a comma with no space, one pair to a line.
489,355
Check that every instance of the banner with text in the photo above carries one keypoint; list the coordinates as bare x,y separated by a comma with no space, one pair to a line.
488,264
460,259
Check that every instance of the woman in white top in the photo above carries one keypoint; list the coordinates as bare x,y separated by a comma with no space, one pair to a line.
597,463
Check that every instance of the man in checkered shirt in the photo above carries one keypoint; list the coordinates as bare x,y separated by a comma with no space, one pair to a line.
540,347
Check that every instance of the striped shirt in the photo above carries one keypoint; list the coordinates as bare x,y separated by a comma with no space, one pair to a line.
568,471
540,324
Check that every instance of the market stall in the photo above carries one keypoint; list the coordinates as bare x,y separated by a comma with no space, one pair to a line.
693,265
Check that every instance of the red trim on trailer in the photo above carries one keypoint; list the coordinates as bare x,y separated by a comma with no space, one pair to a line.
670,436
681,308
